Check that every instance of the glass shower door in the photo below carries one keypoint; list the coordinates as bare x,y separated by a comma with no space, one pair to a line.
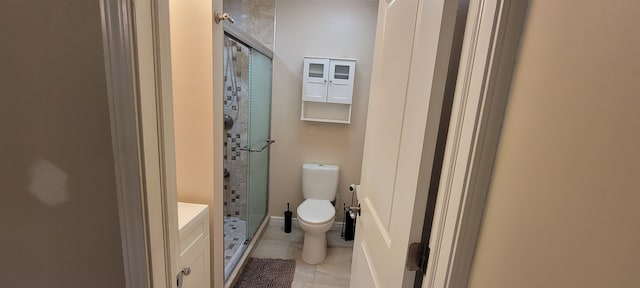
258,139
247,118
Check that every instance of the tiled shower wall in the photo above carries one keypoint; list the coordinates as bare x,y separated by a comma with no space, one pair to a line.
256,17
236,94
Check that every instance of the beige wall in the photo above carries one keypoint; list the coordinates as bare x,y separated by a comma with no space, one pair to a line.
563,208
334,28
191,49
58,201
198,113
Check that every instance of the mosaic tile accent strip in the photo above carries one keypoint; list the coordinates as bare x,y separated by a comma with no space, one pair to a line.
236,105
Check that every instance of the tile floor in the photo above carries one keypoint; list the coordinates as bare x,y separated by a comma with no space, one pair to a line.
334,271
235,230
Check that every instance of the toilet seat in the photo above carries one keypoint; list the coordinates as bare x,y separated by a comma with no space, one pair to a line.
315,211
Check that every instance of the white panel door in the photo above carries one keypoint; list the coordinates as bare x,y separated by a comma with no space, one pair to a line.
315,79
341,73
404,110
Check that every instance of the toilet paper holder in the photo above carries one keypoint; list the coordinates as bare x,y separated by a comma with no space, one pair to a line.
353,188
353,210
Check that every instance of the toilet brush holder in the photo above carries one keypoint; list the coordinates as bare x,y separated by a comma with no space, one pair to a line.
349,226
287,220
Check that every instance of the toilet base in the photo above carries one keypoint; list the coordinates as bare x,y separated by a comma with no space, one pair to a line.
314,249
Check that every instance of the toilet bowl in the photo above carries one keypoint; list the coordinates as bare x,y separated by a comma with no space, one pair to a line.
316,213
315,218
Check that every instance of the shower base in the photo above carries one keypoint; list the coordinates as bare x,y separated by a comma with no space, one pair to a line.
235,236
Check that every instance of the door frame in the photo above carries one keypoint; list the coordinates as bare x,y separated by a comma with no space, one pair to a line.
489,53
141,155
122,96
138,77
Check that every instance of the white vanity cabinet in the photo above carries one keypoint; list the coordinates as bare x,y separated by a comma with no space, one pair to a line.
327,89
193,222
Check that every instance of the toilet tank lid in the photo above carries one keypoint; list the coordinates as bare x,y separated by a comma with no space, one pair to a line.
320,166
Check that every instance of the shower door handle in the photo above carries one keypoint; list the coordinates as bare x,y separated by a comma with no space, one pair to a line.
269,142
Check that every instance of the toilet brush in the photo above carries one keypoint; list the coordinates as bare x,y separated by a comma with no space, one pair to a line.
287,220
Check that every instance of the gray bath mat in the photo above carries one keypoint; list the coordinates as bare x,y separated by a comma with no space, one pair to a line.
267,273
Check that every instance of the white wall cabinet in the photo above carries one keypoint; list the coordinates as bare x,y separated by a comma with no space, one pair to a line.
341,73
193,222
315,80
327,89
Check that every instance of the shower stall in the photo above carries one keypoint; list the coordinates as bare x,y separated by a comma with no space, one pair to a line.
247,108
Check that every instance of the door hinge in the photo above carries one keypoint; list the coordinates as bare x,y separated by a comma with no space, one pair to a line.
417,257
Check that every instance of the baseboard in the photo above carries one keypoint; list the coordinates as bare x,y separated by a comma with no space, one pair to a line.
337,226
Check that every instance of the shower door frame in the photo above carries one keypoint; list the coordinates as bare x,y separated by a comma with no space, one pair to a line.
246,39
237,34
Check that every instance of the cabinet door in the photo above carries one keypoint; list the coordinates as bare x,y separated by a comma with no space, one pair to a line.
341,73
196,258
314,82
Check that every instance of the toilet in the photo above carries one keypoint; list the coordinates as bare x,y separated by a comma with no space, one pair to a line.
316,213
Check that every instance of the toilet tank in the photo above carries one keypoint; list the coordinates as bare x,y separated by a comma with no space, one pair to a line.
319,181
